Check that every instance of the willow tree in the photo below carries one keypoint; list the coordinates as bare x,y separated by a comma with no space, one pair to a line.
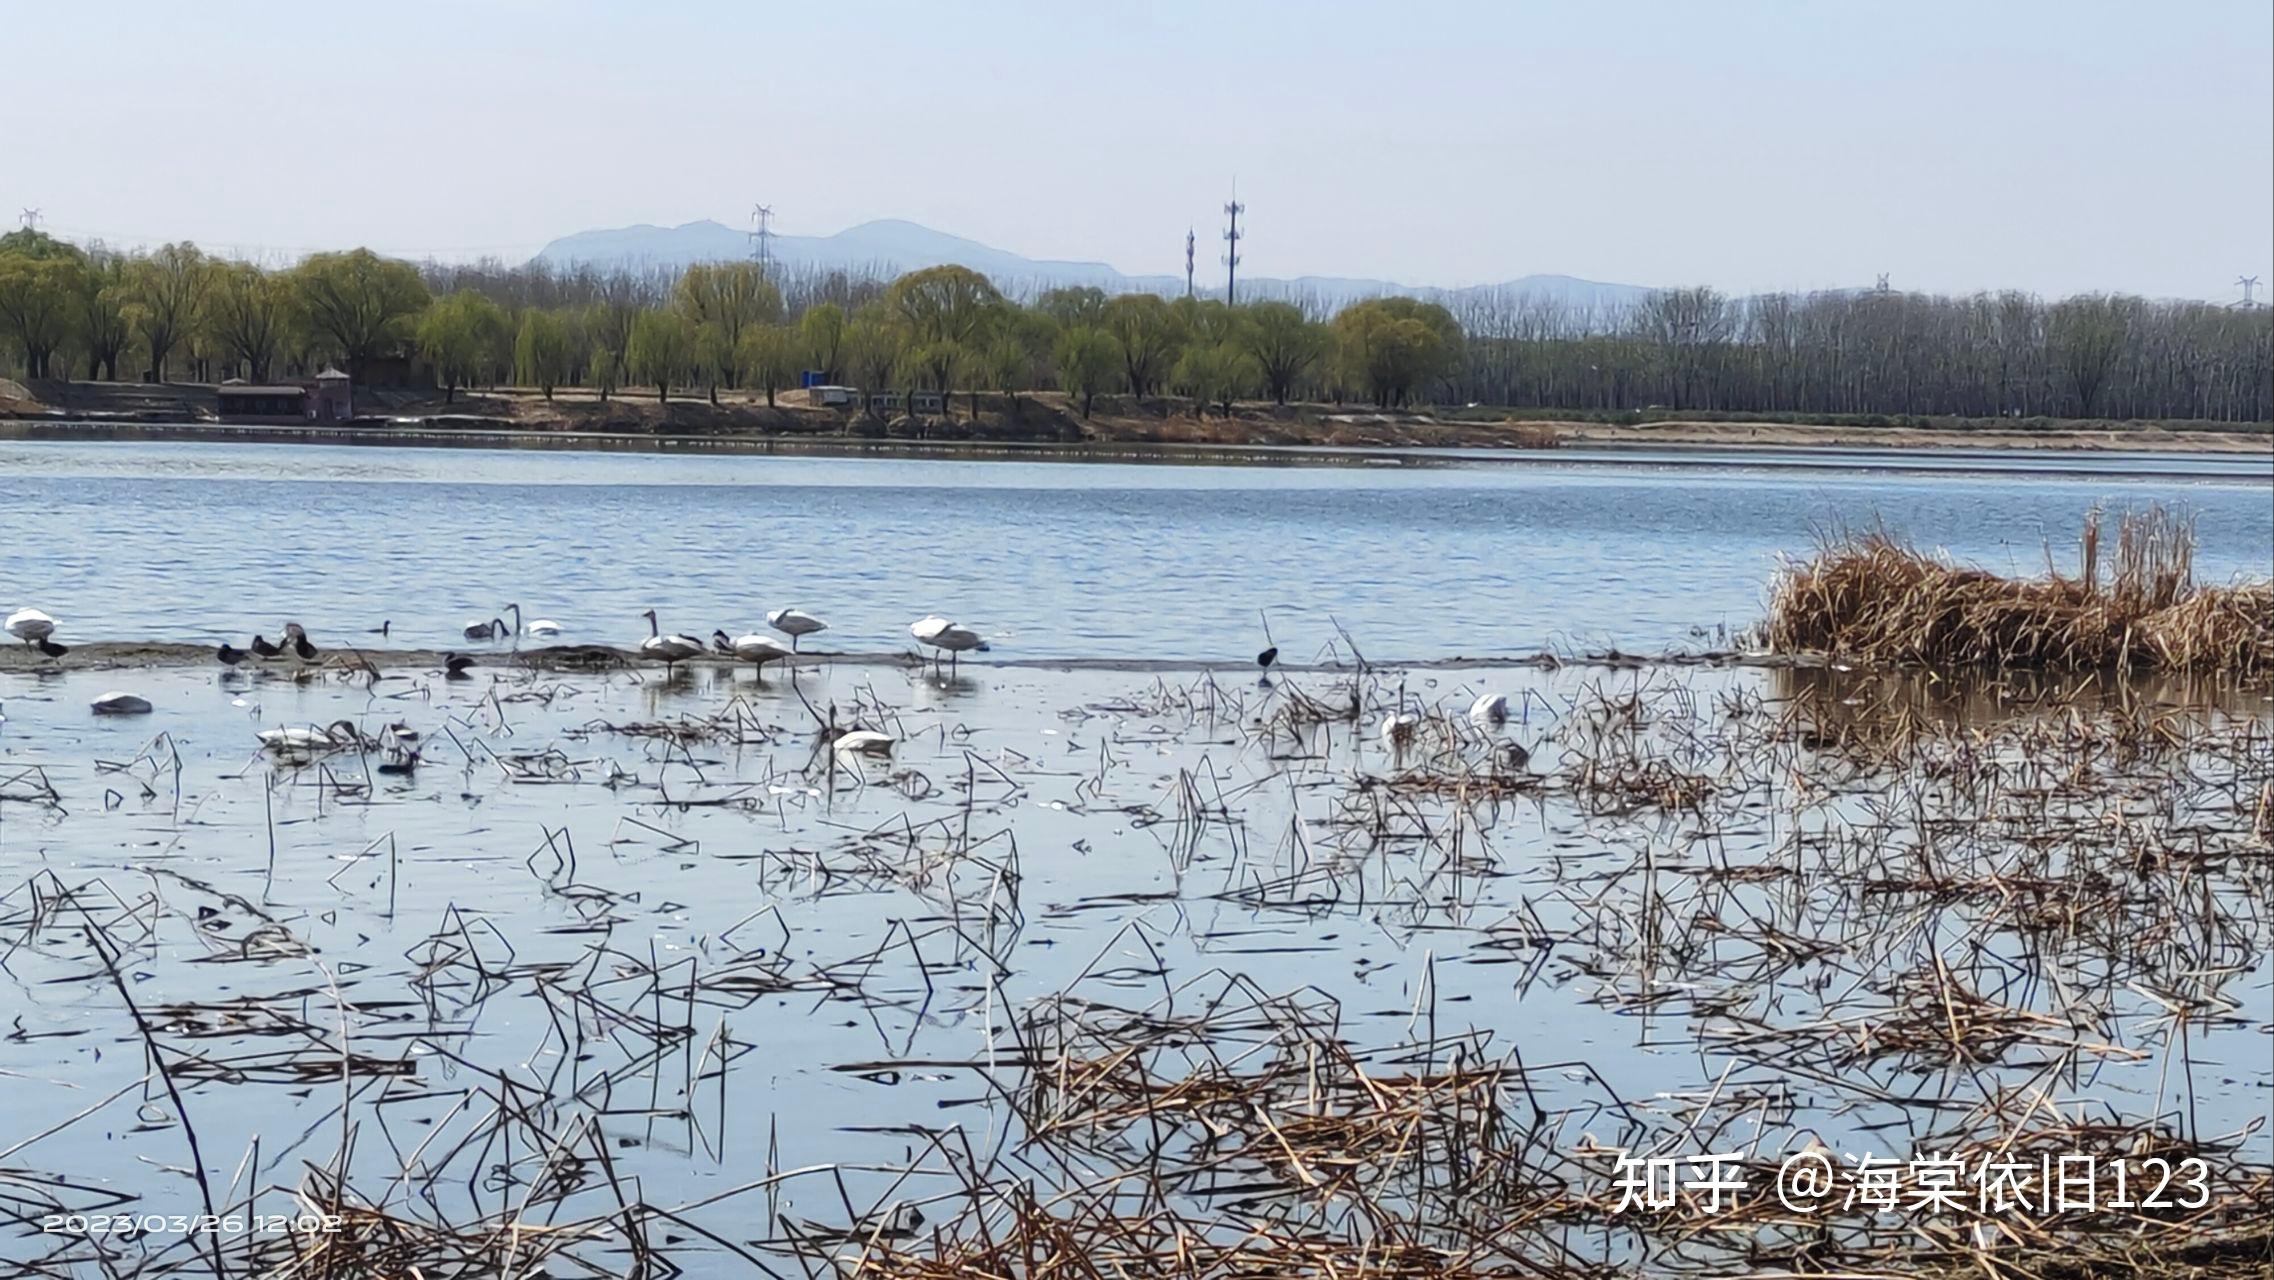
1284,343
821,338
245,313
1215,373
662,349
541,350
464,335
1145,331
1087,361
363,305
872,351
727,297
36,297
163,292
768,356
1390,347
944,304
98,314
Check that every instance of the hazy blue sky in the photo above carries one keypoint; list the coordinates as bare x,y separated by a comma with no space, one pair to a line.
2054,145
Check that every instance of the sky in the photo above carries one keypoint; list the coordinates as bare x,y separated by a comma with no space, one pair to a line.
2056,146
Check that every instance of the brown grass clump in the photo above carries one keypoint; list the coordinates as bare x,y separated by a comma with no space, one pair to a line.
1873,597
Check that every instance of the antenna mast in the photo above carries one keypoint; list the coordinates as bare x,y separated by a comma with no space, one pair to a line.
1232,212
1188,262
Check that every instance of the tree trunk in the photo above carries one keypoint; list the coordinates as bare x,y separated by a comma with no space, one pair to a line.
449,393
662,392
769,395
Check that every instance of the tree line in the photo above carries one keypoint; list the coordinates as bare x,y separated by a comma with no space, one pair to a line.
176,311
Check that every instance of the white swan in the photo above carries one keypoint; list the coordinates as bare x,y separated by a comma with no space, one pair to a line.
543,627
303,739
946,636
116,703
795,623
1489,711
755,649
1399,728
670,650
864,742
30,625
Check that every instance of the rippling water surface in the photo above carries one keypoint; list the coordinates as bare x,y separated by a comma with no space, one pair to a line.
1469,556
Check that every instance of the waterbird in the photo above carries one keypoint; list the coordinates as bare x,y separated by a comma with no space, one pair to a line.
306,738
386,625
795,623
51,648
116,703
229,654
755,649
454,665
670,650
30,625
1489,711
300,647
946,636
544,627
263,649
495,628
1399,728
864,742
1270,653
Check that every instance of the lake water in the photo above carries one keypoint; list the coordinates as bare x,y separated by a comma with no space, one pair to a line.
1464,555
625,935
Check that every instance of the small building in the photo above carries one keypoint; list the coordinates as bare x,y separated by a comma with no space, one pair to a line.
253,402
332,399
927,402
327,397
888,402
832,396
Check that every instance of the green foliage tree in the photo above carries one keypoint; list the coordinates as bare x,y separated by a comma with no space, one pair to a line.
768,355
163,293
1087,360
360,304
1145,331
603,371
871,352
662,349
1215,373
541,350
729,297
246,315
98,314
944,304
1065,308
821,336
36,296
1284,344
1392,346
463,335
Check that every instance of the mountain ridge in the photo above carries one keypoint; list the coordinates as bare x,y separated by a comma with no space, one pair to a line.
886,246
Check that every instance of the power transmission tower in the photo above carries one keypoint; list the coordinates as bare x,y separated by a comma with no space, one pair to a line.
30,219
1881,287
1188,262
1232,212
761,237
2248,283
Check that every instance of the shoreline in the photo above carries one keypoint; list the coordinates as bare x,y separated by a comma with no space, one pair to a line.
1711,443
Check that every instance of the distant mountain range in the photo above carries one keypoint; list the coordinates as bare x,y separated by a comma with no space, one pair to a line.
890,246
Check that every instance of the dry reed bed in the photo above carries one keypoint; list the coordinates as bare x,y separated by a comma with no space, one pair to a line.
1857,909
1875,599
